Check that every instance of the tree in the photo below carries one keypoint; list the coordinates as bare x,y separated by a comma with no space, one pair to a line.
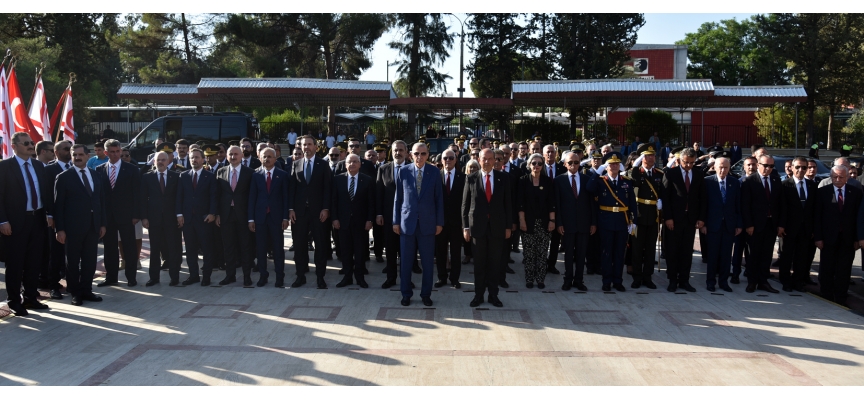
823,52
732,53
593,46
644,123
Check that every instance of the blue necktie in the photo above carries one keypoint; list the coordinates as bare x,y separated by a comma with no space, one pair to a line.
723,190
308,171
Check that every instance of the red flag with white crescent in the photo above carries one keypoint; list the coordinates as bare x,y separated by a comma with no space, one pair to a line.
5,135
20,119
39,112
66,121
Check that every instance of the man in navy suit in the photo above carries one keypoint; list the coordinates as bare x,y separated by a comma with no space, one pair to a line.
268,215
233,183
308,209
196,212
57,259
158,215
122,183
79,217
451,235
797,215
353,213
735,151
418,215
575,220
722,216
760,209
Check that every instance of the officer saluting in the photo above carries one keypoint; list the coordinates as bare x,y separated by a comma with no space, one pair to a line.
647,184
613,194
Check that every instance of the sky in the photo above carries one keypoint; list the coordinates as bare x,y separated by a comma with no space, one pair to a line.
658,29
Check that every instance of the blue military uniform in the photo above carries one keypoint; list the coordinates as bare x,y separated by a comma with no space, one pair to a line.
615,202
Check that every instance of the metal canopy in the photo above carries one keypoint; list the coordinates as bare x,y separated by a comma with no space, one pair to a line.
451,103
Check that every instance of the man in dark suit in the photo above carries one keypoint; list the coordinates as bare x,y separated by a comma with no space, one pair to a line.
268,215
232,191
552,169
122,183
366,167
57,257
418,215
249,159
575,220
377,230
760,207
682,198
79,216
736,152
648,185
721,212
24,196
451,234
196,212
486,194
182,158
795,226
386,184
515,173
838,233
308,204
159,217
740,250
353,211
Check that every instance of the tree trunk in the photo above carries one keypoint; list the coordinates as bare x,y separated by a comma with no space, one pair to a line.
830,123
185,27
330,73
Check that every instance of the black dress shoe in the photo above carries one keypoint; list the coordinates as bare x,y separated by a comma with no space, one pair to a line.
406,301
345,282
416,269
132,284
476,301
495,302
107,283
734,280
787,287
529,285
18,309
552,270
34,305
227,280
76,301
427,301
581,287
751,287
322,284
687,286
511,261
509,270
606,288
151,283
91,297
726,288
440,283
673,286
504,284
190,281
56,295
205,282
767,287
566,286
619,287
247,282
280,283
541,285
362,283
649,284
457,285
636,285
261,282
300,281
710,288
342,271
810,281
254,269
174,283
388,283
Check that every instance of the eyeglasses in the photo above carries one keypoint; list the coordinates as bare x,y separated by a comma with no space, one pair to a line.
448,158
799,167
767,165
353,146
334,154
537,164
473,143
417,153
475,154
572,162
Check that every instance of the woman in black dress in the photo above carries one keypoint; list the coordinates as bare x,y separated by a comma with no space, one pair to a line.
536,219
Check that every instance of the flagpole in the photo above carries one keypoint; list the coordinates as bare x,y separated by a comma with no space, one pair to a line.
36,83
62,102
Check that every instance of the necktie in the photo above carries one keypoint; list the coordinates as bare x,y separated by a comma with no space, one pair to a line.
398,170
308,171
234,179
68,165
268,182
351,189
550,171
723,190
86,183
162,181
488,189
840,199
767,193
194,180
447,184
801,195
34,199
419,179
573,186
245,163
113,176
687,181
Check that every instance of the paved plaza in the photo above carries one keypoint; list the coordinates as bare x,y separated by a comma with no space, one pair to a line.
350,336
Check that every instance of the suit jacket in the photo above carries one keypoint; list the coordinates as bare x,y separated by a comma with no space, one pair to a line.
453,200
480,215
755,206
157,207
254,163
797,217
13,195
560,169
75,210
366,167
419,212
715,211
830,221
311,196
575,215
240,195
679,205
664,155
736,154
275,200
386,189
123,201
353,214
196,202
51,171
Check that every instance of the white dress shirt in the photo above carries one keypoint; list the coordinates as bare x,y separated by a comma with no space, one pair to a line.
570,178
89,176
806,194
483,175
21,162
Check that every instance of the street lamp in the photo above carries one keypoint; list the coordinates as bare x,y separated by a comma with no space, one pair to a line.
461,65
389,64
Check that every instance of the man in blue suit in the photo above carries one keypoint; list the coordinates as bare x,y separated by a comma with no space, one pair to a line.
268,215
615,202
722,215
418,215
735,152
196,211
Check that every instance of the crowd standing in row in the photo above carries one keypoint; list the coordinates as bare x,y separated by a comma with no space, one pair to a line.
231,204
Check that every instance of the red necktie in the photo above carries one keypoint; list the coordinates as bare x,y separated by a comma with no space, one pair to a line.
194,180
268,182
447,184
840,199
488,190
573,185
687,181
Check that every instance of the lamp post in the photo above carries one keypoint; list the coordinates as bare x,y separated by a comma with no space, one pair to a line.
389,64
461,89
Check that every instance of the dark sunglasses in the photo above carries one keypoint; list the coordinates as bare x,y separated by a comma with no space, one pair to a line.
473,144
799,167
353,146
25,143
448,158
475,154
334,154
537,163
767,165
572,162
417,153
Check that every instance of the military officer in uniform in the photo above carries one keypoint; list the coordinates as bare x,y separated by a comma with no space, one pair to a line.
647,184
615,200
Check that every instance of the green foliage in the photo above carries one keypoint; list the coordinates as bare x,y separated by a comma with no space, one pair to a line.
855,125
423,45
777,125
466,122
644,122
288,116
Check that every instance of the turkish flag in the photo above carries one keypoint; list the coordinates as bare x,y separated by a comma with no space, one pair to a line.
67,124
39,111
20,119
5,136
